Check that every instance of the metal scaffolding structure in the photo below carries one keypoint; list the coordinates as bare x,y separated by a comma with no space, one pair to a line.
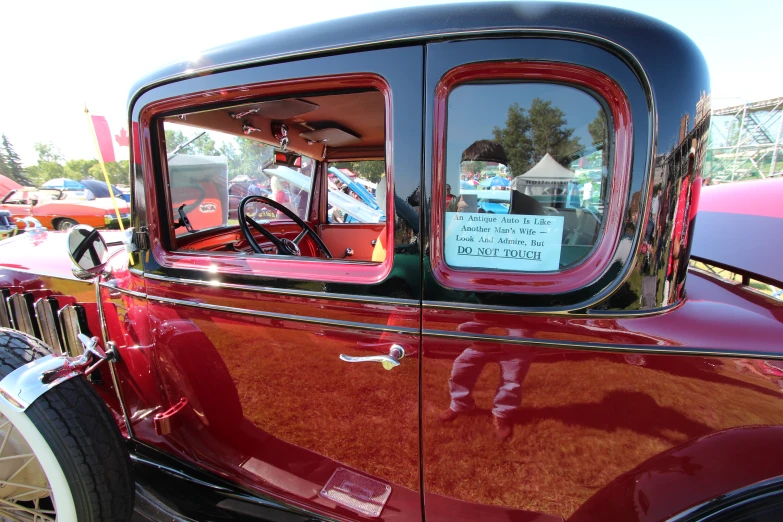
745,141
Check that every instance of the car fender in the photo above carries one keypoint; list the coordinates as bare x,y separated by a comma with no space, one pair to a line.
688,475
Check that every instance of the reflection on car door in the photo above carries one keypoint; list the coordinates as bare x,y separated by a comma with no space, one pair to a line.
271,404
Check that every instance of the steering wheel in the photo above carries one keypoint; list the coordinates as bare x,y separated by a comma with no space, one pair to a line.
284,246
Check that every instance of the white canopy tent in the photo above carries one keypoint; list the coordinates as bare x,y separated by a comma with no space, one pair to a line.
546,175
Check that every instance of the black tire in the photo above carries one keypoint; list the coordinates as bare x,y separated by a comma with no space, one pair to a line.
81,433
65,224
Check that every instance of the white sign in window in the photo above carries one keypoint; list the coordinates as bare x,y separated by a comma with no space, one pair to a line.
515,242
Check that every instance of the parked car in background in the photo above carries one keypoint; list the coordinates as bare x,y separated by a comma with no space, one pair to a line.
8,227
63,184
96,188
548,356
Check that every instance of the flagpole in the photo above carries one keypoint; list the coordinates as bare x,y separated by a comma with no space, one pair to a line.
103,167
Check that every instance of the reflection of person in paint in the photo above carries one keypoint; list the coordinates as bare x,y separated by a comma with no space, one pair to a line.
514,362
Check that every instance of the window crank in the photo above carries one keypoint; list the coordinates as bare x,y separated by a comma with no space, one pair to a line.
396,352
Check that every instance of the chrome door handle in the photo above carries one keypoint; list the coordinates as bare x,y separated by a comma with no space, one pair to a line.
396,352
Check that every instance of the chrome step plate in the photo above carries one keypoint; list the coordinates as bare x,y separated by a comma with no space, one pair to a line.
356,492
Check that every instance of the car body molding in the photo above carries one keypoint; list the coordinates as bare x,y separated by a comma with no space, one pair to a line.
287,317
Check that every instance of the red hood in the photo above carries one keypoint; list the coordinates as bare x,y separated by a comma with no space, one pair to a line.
7,185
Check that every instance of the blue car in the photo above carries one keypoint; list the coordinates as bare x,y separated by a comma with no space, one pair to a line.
98,188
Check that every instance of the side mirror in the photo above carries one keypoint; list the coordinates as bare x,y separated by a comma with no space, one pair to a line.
88,251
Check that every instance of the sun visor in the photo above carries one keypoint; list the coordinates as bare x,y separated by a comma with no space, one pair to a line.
331,137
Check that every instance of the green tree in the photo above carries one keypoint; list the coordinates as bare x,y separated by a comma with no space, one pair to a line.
515,140
597,128
5,169
50,164
549,133
11,164
530,135
369,170
118,171
174,139
203,145
475,166
246,157
79,169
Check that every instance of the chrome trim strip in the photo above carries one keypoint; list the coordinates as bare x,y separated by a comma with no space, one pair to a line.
282,291
47,324
287,317
173,471
236,493
69,327
5,313
133,293
112,370
600,347
559,312
20,314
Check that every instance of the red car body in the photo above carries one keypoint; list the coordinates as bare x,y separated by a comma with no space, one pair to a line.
53,210
650,391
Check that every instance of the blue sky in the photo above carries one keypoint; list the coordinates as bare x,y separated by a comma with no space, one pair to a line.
58,56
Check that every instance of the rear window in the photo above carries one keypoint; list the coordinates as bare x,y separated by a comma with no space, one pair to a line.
527,176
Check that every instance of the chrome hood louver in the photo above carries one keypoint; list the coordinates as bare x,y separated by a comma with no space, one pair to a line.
44,319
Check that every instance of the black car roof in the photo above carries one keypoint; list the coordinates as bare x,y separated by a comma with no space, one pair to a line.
654,44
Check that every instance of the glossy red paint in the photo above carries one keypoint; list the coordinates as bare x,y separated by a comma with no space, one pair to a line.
270,403
703,468
596,262
605,402
600,414
717,316
329,271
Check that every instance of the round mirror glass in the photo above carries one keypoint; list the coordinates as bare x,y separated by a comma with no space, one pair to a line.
87,249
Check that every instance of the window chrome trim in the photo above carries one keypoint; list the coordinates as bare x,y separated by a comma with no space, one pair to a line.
287,317
284,291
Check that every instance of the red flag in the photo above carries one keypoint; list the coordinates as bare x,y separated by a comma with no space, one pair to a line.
103,134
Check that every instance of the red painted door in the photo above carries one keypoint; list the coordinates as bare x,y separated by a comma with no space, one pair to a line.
546,395
260,345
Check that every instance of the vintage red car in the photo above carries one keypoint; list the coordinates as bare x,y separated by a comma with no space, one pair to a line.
52,209
514,333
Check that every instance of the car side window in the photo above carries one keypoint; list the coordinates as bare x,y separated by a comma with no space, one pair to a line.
318,158
526,173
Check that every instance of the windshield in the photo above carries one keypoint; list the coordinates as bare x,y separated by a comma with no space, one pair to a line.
210,172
